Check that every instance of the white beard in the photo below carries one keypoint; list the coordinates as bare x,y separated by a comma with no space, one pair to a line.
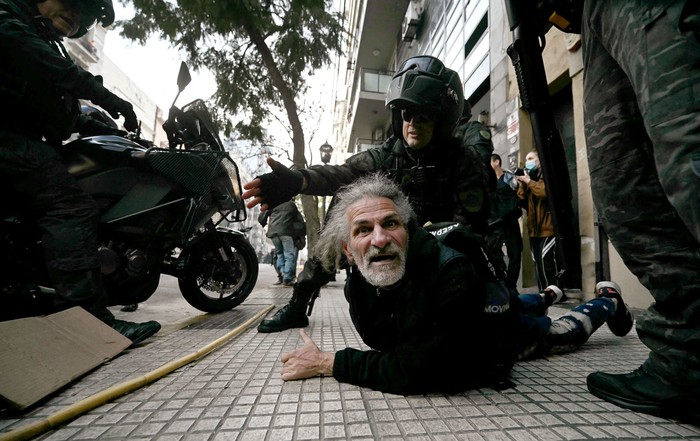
385,274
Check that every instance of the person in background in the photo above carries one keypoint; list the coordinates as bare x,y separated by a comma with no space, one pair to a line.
504,227
443,180
642,126
273,262
286,229
543,243
476,136
42,87
419,305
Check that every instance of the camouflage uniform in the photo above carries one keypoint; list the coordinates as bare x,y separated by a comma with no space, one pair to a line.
477,137
642,122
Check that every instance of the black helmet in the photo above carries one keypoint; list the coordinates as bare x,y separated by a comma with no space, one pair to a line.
91,13
423,81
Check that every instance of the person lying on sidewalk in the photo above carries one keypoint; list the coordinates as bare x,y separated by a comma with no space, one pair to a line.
420,306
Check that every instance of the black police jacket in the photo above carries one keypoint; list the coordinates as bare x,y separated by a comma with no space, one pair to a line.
427,334
39,86
444,181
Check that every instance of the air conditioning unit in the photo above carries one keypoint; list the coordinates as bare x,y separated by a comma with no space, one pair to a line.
411,20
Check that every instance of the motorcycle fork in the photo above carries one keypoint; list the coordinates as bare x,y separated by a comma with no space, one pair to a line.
221,246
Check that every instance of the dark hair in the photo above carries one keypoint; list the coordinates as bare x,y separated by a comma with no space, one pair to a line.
495,157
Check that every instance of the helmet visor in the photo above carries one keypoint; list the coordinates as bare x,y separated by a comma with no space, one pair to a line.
424,63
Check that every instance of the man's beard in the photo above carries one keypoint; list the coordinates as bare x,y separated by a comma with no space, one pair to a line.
385,274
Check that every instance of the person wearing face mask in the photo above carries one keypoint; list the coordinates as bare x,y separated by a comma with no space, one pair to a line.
41,85
533,194
444,180
419,304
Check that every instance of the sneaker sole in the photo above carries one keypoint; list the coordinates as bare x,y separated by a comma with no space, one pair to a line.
628,324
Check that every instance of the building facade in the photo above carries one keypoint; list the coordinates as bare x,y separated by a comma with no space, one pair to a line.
88,52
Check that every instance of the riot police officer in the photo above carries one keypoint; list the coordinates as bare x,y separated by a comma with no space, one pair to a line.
443,180
41,86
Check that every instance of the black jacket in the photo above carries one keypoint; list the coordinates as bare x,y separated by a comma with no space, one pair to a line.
444,181
39,85
426,334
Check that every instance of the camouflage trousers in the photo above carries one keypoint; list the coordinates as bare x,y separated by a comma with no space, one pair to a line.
40,186
642,124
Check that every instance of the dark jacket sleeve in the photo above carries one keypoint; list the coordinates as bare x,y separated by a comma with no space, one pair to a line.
429,361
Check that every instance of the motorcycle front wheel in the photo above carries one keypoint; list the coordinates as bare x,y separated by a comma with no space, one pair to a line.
214,283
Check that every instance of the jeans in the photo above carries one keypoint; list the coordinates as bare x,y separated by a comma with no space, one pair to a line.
286,257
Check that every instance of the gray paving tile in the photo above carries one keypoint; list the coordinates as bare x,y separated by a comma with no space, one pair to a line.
235,393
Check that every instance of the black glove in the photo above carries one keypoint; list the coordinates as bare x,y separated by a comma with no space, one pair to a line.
118,107
280,186
88,126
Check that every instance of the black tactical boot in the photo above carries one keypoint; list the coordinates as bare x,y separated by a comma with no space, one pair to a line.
136,332
644,392
291,315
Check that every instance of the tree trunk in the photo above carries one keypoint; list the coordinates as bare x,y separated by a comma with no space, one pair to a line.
309,203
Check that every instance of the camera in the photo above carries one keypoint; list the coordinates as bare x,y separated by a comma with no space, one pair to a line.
519,172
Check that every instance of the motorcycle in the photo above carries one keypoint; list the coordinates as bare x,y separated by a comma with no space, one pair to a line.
162,211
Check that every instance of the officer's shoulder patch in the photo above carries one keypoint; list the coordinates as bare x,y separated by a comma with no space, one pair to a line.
486,134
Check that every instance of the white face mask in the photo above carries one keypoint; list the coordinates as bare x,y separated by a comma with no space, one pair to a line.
530,164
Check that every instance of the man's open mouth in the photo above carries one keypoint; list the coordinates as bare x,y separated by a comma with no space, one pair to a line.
382,258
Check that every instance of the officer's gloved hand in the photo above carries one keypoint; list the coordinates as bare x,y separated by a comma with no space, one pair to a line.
88,126
118,107
280,186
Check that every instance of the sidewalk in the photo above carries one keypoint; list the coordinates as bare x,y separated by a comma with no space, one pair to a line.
235,392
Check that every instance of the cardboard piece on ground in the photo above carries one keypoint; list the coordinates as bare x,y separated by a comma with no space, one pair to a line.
39,355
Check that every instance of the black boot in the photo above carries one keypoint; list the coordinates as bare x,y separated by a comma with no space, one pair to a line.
291,315
84,288
136,332
644,392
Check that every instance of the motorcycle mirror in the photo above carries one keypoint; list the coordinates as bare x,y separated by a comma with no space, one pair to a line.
183,77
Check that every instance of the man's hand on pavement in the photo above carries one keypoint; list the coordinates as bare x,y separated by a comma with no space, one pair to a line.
307,361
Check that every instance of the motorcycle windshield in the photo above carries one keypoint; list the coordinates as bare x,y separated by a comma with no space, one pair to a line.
203,172
199,108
